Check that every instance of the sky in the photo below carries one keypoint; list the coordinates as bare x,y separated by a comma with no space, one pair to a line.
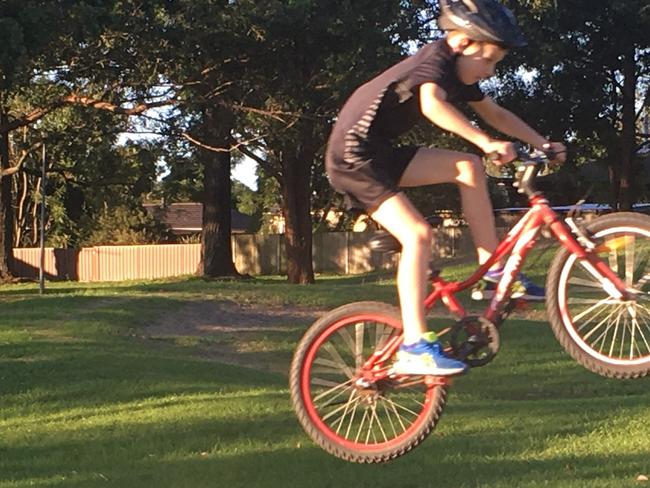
244,171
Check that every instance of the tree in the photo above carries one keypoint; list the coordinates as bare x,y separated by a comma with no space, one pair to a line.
313,54
208,45
83,58
590,64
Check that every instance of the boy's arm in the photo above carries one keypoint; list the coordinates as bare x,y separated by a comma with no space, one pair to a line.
505,121
434,106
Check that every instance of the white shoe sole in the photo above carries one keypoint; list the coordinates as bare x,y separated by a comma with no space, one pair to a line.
489,294
415,370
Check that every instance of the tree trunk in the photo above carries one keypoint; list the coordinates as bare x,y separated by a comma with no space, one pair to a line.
628,133
296,194
216,249
6,210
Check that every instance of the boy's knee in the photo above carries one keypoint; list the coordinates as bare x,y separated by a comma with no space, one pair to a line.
472,171
421,236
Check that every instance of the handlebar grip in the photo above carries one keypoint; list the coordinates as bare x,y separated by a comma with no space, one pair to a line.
519,150
548,152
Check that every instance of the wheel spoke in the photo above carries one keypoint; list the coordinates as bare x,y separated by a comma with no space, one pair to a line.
590,283
382,334
641,271
623,330
360,407
347,406
354,413
359,330
615,332
401,407
336,387
593,307
632,312
332,367
603,337
395,412
334,354
595,301
347,338
363,421
645,322
611,349
601,323
613,260
370,431
390,420
337,410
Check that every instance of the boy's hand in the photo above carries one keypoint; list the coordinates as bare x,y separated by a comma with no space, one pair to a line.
500,152
557,151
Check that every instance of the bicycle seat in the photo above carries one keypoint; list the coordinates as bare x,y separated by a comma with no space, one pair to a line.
434,220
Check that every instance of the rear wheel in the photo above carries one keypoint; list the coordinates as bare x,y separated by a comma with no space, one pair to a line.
357,415
608,336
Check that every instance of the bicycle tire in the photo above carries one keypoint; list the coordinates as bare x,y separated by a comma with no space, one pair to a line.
592,326
318,353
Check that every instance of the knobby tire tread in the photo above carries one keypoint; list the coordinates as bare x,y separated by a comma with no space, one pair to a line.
320,326
627,219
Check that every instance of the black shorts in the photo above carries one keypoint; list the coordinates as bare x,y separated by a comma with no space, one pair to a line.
366,171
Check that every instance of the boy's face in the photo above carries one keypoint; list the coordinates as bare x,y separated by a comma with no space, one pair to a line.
478,61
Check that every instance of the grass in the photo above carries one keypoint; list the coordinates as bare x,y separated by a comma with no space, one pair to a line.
87,399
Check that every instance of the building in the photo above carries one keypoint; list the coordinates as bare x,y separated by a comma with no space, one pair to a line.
186,219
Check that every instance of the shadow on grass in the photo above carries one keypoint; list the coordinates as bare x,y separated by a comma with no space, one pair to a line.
85,405
268,450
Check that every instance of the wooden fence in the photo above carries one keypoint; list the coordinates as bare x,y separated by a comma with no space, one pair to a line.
256,254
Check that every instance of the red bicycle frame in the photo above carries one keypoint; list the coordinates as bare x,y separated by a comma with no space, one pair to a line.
517,243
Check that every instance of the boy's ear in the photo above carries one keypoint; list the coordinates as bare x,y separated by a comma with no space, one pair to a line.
464,43
459,41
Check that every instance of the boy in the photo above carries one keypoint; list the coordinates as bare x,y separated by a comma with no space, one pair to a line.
364,165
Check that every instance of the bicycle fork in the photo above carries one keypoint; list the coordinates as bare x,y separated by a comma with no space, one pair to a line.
585,252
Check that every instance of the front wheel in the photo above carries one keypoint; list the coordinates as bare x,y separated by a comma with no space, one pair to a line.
608,336
356,414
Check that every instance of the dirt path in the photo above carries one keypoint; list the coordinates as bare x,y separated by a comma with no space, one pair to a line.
215,326
259,337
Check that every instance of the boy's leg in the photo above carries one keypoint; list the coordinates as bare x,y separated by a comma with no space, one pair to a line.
432,166
421,353
399,217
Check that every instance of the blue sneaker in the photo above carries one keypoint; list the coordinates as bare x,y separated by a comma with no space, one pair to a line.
532,291
523,287
426,357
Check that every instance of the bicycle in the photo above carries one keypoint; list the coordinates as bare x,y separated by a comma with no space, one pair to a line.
351,403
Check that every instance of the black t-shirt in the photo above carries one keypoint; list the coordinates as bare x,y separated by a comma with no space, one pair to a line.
390,102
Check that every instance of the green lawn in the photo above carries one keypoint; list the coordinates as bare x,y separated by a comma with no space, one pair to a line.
88,398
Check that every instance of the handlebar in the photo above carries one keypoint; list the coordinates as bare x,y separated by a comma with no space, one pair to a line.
529,163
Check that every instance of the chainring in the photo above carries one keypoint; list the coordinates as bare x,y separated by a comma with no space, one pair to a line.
475,341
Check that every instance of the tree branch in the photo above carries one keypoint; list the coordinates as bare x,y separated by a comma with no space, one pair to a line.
232,148
23,157
645,105
117,109
74,99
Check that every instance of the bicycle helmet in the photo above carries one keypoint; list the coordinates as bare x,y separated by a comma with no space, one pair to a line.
482,20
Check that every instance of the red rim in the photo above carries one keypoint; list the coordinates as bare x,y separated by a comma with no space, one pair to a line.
305,390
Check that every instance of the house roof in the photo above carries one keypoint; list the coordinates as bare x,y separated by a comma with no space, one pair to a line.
187,218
